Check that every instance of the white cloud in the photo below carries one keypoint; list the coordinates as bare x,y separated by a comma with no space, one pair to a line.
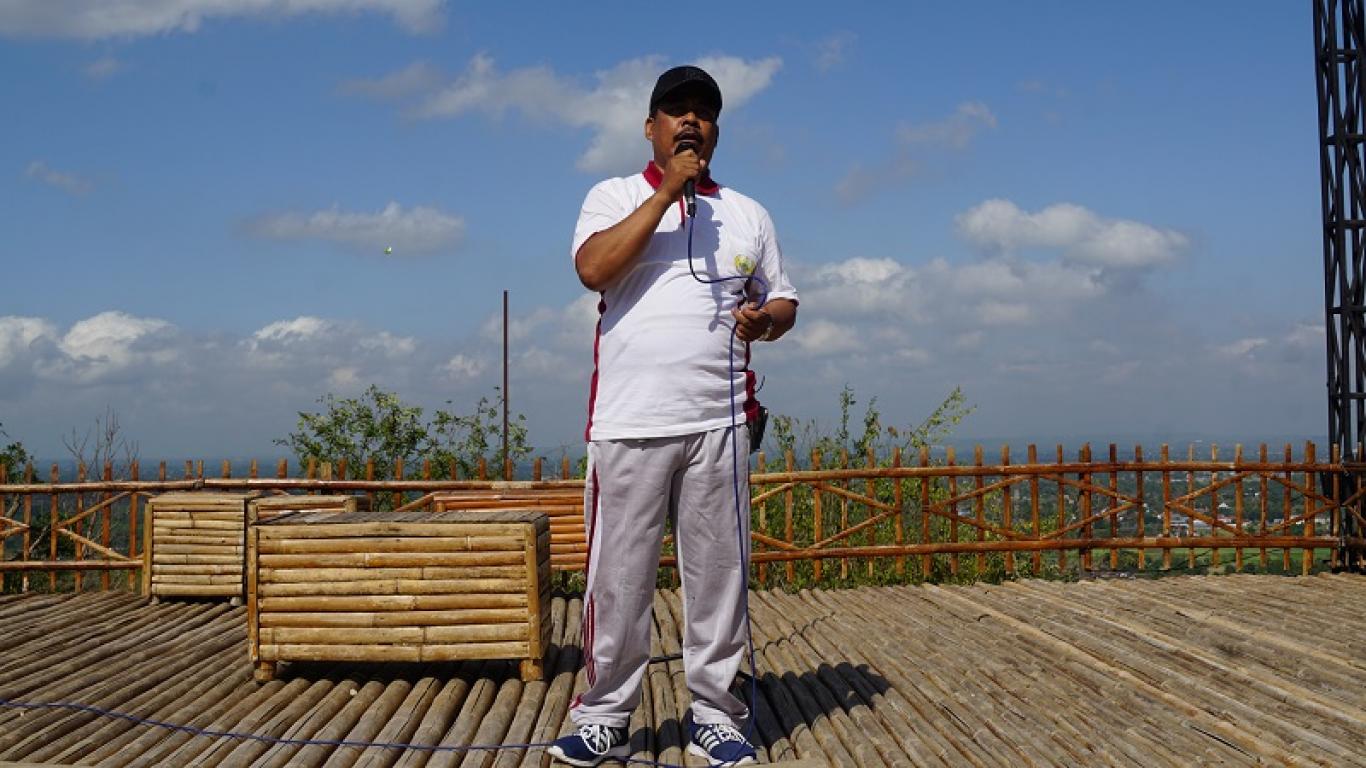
284,341
100,19
103,68
520,327
389,345
416,78
831,51
861,182
285,331
1082,235
464,367
18,336
67,182
824,337
414,231
613,109
111,343
956,131
1241,347
914,149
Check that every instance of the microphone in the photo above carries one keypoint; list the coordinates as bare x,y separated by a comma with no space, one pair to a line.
689,186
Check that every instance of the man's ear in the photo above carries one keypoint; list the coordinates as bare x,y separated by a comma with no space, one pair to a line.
650,128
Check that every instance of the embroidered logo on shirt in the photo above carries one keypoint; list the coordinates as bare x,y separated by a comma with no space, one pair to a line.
744,264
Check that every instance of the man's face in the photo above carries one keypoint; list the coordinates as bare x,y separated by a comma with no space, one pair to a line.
686,114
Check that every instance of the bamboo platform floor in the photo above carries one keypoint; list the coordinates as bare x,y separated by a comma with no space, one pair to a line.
1213,670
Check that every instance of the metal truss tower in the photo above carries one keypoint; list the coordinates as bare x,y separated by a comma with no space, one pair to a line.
1340,64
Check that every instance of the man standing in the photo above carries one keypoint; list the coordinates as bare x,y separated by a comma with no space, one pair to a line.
666,432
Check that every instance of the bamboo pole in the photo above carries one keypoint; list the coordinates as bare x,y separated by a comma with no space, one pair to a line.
1086,501
1286,508
1166,506
28,521
1062,513
1214,505
789,501
1310,509
953,520
1141,513
817,524
1007,509
106,522
1238,506
926,562
844,513
761,571
1335,512
979,506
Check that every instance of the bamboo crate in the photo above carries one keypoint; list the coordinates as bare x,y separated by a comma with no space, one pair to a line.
271,507
399,586
193,544
564,507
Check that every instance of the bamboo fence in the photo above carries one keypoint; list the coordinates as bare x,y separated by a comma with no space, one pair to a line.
821,520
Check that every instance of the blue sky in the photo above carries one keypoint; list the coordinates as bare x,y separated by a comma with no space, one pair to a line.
1099,219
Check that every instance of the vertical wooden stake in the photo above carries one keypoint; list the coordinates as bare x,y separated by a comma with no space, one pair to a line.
1262,483
899,531
1142,512
844,514
54,519
1007,508
789,501
926,560
28,522
1287,507
106,521
1166,508
1032,458
980,506
135,474
1310,527
950,461
1112,502
1062,513
1214,502
1086,502
1238,503
817,523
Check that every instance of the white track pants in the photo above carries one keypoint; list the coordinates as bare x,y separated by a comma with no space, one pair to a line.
633,486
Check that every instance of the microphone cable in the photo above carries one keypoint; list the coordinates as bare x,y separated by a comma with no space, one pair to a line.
741,524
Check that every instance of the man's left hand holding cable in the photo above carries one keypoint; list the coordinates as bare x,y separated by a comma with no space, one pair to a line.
766,323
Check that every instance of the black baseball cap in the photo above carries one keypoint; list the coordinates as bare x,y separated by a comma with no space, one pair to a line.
685,75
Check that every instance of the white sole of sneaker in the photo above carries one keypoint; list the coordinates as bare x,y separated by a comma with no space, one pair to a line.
696,749
618,753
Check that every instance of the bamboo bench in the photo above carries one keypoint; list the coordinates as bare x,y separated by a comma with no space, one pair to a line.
413,586
195,542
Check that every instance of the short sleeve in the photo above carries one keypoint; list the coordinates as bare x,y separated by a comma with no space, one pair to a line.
601,210
771,267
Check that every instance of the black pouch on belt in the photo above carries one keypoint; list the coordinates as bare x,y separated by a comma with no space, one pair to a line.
756,429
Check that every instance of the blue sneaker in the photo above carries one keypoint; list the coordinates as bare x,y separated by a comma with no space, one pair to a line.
591,744
721,744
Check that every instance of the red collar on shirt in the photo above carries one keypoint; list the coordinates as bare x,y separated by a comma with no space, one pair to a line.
705,186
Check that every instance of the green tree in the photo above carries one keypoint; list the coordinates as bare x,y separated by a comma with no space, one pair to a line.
792,434
379,426
14,458
376,425
462,440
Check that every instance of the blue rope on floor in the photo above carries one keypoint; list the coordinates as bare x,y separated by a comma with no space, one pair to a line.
280,740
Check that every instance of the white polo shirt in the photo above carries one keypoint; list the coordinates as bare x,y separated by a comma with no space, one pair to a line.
664,360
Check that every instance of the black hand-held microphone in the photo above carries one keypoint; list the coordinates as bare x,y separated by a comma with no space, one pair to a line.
689,186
